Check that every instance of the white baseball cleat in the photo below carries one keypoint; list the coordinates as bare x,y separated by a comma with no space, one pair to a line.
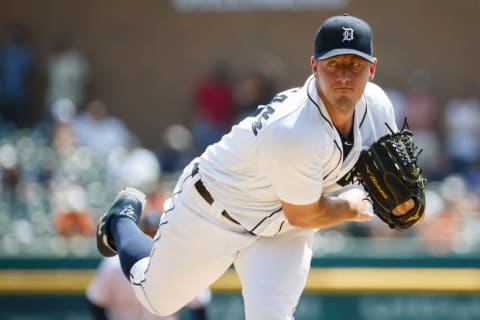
129,203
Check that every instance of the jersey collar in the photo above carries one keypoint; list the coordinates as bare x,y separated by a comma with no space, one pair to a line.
359,118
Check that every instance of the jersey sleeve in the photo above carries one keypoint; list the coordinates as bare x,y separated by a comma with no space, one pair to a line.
291,165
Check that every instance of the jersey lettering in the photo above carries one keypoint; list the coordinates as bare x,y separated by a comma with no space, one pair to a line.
265,113
257,124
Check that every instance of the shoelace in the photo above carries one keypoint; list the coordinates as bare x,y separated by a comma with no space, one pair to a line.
404,139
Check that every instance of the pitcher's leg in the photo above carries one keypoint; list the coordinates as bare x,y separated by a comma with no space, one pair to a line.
118,233
273,273
188,255
131,243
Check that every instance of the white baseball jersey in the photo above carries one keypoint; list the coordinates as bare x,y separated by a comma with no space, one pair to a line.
290,151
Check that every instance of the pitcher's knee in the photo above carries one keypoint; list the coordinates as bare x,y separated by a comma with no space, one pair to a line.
158,305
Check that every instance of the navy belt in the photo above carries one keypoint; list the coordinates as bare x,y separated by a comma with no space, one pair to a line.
203,192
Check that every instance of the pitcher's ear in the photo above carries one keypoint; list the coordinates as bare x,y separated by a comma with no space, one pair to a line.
313,64
373,68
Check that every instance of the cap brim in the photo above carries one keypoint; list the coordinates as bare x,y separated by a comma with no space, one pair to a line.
337,52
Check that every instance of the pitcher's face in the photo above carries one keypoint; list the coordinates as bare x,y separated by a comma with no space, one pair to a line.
341,80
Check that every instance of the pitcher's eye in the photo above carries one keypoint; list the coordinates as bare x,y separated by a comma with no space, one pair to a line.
356,64
332,64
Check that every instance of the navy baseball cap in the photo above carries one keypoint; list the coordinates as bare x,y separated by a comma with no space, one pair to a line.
344,34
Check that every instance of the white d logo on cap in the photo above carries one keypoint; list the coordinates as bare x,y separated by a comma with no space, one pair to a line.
347,34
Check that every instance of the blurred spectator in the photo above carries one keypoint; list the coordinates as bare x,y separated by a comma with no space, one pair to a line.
10,173
253,90
100,131
452,218
397,97
177,149
63,115
138,168
421,104
63,110
71,215
462,116
213,105
441,227
456,192
423,113
67,73
16,71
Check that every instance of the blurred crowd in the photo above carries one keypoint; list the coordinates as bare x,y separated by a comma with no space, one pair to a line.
60,171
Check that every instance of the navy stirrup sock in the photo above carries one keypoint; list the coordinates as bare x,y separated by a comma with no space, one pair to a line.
131,243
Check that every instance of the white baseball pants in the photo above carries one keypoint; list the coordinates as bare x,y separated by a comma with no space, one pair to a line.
195,245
